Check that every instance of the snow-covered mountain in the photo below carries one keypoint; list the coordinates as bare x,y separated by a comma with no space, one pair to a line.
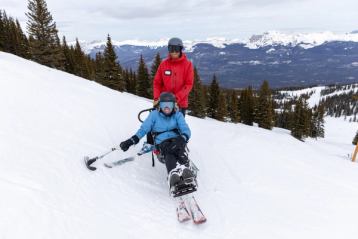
270,38
307,40
282,59
253,183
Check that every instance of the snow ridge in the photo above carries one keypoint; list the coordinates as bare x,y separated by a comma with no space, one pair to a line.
270,38
307,40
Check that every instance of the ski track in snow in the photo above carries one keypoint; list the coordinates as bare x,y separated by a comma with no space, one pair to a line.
253,183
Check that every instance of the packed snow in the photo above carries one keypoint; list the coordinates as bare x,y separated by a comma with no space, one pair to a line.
253,183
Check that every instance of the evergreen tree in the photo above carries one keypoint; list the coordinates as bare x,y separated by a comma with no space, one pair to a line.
2,31
355,139
12,38
196,97
320,121
214,97
247,106
112,70
59,54
79,61
233,107
44,46
153,70
264,116
82,63
143,81
284,118
7,39
91,66
99,68
23,43
128,82
300,123
133,82
69,63
222,107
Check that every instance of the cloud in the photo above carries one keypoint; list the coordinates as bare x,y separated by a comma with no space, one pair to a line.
123,19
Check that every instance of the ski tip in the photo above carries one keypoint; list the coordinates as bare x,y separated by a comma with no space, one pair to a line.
200,222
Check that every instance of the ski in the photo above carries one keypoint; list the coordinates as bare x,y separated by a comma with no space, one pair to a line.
182,211
119,162
195,211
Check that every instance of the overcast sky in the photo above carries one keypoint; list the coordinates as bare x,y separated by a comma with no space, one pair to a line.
192,19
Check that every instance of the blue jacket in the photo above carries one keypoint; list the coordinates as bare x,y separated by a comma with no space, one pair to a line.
158,122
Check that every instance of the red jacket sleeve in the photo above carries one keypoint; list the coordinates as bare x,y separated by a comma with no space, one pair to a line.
158,83
188,83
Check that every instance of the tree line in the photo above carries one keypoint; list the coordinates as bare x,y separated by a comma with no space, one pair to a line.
250,106
344,103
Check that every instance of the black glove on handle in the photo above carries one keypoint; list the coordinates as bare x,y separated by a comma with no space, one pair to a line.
129,142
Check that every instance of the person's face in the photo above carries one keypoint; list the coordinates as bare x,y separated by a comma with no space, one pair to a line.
174,55
167,107
167,110
174,51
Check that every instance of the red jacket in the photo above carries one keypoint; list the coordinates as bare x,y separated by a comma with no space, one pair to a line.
176,76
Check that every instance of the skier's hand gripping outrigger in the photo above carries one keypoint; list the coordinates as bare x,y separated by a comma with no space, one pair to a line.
124,146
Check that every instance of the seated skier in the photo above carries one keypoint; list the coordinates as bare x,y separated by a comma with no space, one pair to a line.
171,134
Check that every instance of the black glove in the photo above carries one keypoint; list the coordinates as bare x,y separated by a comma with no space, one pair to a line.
129,142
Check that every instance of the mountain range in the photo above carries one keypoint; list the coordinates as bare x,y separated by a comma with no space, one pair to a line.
282,59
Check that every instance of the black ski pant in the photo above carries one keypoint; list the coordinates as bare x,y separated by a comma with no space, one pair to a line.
174,152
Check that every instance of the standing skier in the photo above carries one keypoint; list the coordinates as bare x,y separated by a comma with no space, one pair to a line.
175,74
171,134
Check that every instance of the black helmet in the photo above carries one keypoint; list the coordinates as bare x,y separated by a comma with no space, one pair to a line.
175,41
167,97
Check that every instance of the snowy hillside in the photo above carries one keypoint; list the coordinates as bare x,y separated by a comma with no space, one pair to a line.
315,95
253,183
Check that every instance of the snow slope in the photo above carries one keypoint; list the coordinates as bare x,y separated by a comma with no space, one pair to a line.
315,93
253,183
314,98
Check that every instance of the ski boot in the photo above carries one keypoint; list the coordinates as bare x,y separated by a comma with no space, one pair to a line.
182,181
174,177
146,148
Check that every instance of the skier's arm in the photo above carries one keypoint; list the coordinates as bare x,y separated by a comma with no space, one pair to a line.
183,126
144,129
146,126
158,83
188,83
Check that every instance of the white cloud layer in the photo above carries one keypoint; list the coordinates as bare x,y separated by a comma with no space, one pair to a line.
155,19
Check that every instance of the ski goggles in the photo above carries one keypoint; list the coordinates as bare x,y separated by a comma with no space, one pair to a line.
172,48
164,105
